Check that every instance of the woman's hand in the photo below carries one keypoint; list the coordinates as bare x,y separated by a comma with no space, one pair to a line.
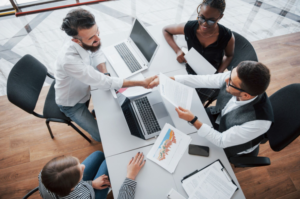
180,57
135,165
101,182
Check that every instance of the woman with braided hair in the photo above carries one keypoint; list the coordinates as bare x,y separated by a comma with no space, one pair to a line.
206,35
211,39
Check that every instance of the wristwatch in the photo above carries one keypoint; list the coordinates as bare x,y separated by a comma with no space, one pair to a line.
107,74
193,121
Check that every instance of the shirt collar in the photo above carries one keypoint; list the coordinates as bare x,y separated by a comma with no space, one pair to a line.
82,52
243,102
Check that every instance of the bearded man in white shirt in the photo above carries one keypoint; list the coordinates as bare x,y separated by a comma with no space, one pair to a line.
243,112
79,66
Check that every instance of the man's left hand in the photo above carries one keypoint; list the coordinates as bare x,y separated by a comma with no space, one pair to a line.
185,114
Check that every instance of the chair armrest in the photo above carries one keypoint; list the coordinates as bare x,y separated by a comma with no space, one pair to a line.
249,161
49,75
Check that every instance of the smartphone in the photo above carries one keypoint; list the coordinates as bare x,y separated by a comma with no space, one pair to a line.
198,150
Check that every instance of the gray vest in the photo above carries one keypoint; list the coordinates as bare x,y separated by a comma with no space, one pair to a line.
259,109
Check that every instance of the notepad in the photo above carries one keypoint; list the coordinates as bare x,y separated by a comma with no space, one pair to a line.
211,182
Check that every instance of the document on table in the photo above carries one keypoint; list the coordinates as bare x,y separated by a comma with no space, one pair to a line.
169,147
191,183
175,92
198,63
212,182
213,187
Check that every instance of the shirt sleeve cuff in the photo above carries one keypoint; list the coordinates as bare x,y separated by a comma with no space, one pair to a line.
179,78
204,130
130,182
117,83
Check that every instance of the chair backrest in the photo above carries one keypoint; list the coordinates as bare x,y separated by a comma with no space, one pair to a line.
25,82
51,110
286,108
243,51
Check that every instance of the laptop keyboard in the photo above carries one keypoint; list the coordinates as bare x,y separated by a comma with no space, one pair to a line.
147,115
128,57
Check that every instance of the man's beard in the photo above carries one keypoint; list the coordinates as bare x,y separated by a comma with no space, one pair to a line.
91,48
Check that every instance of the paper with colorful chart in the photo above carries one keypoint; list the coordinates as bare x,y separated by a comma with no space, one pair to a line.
169,147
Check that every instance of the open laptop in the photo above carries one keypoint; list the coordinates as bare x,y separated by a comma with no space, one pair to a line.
133,55
145,115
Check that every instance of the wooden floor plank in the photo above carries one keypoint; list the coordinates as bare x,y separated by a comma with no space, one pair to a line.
273,188
18,189
285,165
10,158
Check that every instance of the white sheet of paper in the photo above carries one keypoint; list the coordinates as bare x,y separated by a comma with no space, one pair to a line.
191,183
136,90
214,186
169,147
175,92
173,194
198,63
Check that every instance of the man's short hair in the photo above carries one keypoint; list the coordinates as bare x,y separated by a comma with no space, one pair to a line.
255,77
61,174
77,19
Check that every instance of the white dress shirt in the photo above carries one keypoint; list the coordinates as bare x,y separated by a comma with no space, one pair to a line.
236,135
76,71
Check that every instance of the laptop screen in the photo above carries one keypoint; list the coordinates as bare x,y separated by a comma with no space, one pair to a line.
143,40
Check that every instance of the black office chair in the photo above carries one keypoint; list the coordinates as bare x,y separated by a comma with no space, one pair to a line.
243,51
285,129
24,85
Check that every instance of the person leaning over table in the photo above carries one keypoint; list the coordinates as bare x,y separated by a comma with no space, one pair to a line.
65,178
243,112
76,70
209,38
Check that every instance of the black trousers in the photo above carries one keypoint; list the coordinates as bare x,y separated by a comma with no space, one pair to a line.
213,118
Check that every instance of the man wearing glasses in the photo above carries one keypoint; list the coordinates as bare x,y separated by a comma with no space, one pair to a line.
243,112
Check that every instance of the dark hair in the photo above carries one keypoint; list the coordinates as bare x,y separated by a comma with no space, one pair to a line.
217,4
77,19
255,77
61,174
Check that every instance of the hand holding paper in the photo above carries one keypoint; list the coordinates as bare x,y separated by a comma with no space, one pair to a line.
175,92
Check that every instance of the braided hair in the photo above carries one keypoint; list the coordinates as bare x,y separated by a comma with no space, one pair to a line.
77,19
217,4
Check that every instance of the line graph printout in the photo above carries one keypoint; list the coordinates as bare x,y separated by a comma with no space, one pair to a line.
169,148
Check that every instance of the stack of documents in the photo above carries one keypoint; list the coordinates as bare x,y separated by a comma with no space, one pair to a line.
212,182
169,148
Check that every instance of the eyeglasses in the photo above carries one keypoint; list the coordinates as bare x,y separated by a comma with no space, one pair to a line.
209,22
234,86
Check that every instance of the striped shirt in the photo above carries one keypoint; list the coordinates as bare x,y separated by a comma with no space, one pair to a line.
84,190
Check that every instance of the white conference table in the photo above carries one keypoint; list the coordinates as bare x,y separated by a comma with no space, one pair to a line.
119,145
155,182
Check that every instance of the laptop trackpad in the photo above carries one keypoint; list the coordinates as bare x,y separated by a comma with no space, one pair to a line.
160,110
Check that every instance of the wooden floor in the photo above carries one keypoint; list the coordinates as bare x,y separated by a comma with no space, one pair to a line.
26,146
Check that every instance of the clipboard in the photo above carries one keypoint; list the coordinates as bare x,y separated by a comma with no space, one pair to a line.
223,170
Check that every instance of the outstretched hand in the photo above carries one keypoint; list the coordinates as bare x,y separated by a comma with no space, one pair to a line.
184,114
135,165
154,82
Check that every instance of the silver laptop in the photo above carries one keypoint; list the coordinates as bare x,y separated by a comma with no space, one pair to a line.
145,115
133,55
